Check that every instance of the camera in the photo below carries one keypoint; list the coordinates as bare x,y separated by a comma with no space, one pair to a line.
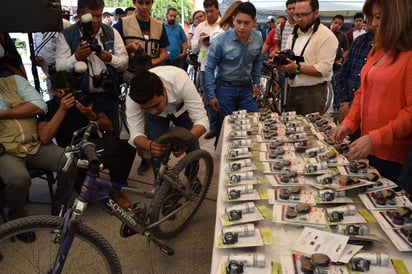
86,25
84,99
103,80
281,59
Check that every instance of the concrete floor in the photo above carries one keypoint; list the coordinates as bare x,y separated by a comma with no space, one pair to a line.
193,247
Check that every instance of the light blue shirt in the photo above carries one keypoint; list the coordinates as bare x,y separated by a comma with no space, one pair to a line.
27,92
176,36
235,62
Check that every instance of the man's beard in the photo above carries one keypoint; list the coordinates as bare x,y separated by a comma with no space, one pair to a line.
305,28
171,22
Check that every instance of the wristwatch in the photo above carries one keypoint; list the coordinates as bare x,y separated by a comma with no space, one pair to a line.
298,68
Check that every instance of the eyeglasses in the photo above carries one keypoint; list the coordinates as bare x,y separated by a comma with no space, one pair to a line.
300,15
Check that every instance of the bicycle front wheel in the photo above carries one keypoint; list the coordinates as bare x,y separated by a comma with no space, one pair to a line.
89,252
193,173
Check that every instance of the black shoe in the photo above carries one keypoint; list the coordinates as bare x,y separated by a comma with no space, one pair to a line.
196,185
210,135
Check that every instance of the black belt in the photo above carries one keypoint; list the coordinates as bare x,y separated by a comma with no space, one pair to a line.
234,84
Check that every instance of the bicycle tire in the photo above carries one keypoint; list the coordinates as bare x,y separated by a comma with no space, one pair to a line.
167,196
38,256
329,97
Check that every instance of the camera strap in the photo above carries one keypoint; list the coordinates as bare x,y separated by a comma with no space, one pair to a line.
295,35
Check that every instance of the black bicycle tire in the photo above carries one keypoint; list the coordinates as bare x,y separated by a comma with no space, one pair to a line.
30,223
159,198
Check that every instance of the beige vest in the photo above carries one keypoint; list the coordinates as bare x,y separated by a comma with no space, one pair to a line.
132,32
19,136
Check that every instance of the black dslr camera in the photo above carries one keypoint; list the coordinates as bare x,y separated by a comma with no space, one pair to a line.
86,26
84,99
281,59
103,80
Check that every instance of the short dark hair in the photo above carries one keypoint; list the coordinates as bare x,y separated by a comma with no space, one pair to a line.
313,3
145,86
358,15
90,4
196,12
210,3
339,16
246,8
130,8
171,9
288,2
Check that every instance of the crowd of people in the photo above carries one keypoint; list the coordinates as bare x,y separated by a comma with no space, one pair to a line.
369,68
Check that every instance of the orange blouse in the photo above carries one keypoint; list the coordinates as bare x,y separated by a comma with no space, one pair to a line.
382,106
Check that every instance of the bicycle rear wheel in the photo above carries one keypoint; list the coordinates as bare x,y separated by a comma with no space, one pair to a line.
193,173
89,252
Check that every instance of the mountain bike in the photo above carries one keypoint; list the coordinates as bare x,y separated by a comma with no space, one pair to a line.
65,245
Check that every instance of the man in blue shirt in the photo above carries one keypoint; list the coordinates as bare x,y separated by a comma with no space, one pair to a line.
177,40
237,56
347,79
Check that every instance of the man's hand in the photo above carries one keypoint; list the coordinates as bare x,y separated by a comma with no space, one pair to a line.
105,56
214,104
83,51
156,149
289,68
256,91
86,111
67,102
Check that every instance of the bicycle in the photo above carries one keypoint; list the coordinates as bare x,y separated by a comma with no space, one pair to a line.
64,243
270,97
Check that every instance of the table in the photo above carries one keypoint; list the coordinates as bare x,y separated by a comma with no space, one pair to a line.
283,235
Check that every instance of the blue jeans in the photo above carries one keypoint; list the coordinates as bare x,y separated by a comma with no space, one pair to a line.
211,113
157,126
232,98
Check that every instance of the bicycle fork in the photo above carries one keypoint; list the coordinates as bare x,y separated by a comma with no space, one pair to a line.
65,235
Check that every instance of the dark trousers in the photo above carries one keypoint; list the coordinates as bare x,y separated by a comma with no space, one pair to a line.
307,99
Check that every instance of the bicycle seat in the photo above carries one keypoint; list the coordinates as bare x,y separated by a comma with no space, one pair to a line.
176,136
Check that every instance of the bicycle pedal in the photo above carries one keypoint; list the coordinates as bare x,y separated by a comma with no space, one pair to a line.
126,231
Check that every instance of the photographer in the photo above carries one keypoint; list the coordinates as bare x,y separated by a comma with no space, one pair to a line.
102,48
66,114
317,45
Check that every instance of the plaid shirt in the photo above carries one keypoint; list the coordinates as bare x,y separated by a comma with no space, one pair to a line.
347,80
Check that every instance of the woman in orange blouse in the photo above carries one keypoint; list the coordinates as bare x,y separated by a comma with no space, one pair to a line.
382,106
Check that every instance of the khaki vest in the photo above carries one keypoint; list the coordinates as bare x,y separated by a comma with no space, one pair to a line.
132,32
19,136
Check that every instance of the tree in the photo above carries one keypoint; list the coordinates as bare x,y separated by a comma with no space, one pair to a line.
159,8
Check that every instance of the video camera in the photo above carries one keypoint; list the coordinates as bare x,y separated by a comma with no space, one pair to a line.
86,25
